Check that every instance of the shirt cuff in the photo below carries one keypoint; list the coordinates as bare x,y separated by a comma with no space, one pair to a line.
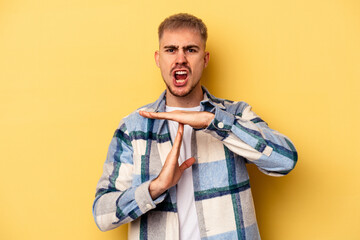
144,200
222,122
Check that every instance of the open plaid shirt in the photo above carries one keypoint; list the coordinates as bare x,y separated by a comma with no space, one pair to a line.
222,191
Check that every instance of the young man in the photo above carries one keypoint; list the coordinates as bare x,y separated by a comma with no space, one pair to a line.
176,167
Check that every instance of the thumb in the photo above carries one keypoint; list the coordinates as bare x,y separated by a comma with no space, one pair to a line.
188,163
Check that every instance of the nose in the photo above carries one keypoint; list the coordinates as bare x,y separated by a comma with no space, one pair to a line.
181,58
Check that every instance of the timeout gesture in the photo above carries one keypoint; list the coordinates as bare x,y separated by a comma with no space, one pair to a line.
171,172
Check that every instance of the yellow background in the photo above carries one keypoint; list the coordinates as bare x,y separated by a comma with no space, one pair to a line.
70,70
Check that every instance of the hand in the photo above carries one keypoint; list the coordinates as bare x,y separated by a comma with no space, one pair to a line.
171,172
194,119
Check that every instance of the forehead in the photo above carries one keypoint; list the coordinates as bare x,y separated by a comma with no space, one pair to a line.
181,37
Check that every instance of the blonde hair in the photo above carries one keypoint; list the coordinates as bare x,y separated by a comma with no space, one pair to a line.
183,20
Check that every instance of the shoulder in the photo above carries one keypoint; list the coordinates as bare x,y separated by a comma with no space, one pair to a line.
240,109
233,107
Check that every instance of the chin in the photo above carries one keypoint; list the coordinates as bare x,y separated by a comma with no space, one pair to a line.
180,93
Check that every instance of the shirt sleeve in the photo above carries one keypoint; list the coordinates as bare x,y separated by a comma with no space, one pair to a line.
118,198
247,135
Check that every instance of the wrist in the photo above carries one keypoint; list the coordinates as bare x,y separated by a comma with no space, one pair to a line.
155,189
210,118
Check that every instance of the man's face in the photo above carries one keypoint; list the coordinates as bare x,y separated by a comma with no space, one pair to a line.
181,58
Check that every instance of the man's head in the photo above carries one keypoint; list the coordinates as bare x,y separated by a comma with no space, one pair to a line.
181,56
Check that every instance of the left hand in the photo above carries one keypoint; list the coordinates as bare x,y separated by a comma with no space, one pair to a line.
171,172
191,118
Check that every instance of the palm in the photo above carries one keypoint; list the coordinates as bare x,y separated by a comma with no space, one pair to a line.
194,119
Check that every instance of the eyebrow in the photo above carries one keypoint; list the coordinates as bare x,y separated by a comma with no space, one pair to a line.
191,46
185,47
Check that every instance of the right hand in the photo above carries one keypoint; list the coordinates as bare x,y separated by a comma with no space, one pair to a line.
194,119
171,172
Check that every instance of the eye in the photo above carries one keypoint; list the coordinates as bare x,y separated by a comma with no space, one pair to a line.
191,50
170,50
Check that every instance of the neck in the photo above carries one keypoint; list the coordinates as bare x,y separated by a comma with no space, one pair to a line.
193,99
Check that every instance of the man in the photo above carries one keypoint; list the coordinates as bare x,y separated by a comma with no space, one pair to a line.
176,167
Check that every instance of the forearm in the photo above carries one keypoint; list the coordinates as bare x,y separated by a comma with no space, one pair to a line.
247,135
120,195
113,209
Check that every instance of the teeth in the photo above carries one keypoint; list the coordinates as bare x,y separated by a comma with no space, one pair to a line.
180,72
180,81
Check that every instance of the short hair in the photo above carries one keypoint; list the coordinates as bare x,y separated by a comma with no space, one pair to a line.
183,20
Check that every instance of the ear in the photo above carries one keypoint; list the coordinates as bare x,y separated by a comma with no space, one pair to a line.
157,58
206,59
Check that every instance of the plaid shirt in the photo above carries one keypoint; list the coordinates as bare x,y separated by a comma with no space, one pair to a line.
222,193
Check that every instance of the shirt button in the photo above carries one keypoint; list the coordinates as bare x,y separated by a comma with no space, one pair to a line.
148,206
220,125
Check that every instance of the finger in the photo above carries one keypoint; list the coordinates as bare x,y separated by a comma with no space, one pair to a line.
178,138
179,135
152,115
188,163
175,150
145,114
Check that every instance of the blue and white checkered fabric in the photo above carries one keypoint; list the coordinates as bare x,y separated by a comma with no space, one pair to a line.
222,191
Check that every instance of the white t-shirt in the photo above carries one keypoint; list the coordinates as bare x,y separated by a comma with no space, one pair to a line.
189,227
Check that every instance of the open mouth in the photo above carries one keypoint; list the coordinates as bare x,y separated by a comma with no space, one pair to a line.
180,77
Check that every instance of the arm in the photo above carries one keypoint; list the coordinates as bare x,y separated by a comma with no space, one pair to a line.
118,200
244,133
